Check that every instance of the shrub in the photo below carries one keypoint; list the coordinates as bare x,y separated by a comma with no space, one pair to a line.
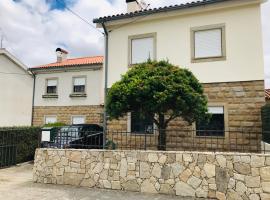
26,138
56,124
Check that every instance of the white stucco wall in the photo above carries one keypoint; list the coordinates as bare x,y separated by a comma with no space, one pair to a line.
243,44
65,84
16,87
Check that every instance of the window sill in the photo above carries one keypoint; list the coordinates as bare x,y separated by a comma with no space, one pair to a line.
50,96
209,137
210,59
74,95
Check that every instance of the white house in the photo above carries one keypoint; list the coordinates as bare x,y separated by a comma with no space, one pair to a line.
220,41
16,86
68,91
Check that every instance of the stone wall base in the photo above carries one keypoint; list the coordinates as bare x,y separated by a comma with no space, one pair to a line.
93,114
231,176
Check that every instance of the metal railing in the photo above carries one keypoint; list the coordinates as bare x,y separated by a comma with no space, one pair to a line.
8,148
234,140
76,139
18,145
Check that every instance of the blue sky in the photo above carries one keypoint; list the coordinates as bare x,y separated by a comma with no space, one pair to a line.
33,29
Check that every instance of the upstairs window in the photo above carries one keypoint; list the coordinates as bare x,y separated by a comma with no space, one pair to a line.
141,124
142,48
79,84
216,125
51,87
208,43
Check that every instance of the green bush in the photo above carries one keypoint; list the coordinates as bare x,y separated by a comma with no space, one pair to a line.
25,138
56,124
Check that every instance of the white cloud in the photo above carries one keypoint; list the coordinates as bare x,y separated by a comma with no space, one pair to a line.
34,31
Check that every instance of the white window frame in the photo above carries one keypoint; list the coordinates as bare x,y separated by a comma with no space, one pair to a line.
226,120
51,116
223,43
141,36
81,116
46,85
129,126
73,84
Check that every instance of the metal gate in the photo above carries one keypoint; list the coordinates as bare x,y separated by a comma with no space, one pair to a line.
8,148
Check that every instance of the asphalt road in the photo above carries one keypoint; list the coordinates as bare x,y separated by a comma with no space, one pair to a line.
16,184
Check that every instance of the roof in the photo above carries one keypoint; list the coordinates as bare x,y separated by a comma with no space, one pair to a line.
267,94
75,62
14,59
157,10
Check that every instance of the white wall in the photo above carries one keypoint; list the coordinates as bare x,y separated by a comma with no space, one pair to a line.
243,44
16,88
65,84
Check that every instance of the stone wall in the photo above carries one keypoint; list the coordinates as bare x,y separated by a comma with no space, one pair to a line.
93,114
242,102
223,176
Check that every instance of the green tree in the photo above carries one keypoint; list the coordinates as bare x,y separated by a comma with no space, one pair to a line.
158,90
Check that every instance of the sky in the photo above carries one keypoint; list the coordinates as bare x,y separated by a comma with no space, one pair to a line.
33,29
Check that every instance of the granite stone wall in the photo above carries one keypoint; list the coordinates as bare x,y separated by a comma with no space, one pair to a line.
230,176
93,114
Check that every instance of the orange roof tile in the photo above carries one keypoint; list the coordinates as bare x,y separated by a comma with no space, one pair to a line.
74,62
267,94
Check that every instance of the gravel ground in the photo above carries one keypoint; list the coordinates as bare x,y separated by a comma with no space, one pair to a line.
16,184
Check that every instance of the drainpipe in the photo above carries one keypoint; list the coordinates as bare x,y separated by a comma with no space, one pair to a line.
33,97
106,35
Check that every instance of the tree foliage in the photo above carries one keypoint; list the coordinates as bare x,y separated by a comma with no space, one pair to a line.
159,90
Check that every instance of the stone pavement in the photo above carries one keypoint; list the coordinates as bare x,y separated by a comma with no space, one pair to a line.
16,184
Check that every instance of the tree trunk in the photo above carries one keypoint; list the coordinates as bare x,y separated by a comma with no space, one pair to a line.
162,133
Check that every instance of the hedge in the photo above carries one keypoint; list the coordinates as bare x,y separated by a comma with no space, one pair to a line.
25,138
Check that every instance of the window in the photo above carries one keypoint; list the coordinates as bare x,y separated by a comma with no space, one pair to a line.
208,43
141,124
50,119
78,119
142,48
51,86
216,125
79,84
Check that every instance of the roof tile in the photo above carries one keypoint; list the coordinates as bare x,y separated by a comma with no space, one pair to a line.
156,10
74,62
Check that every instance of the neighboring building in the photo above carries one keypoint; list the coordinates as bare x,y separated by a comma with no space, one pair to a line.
220,41
69,90
267,95
16,86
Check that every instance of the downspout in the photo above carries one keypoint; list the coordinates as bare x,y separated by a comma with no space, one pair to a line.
33,98
106,35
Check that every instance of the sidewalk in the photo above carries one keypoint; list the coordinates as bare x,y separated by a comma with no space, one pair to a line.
16,184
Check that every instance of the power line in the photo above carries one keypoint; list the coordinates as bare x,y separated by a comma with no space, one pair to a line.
77,15
137,19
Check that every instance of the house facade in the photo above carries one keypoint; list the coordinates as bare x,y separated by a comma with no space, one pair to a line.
68,91
16,85
213,39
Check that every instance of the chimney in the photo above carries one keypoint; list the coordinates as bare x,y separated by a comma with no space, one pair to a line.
132,6
61,54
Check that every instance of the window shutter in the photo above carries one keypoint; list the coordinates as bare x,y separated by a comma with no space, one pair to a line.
142,49
216,110
52,82
78,120
49,120
208,43
79,81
